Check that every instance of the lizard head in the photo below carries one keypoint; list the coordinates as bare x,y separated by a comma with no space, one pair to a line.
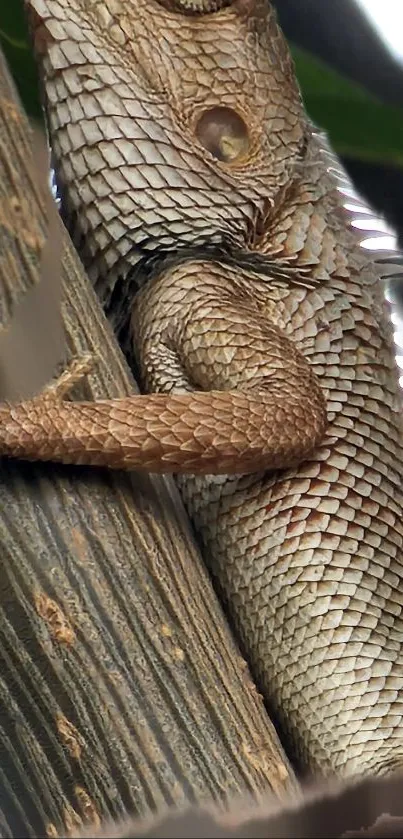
173,122
196,6
225,78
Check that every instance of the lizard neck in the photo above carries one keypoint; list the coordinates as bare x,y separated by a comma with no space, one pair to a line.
322,227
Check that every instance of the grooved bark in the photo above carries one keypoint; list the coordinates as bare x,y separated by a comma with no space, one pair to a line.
120,685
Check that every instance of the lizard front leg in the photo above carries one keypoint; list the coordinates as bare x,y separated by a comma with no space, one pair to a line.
245,398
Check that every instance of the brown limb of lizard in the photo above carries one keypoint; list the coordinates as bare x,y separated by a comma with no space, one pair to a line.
273,418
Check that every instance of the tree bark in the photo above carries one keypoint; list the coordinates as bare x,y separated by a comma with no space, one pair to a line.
121,688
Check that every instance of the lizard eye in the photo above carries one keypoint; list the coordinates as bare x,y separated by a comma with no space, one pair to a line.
223,133
195,7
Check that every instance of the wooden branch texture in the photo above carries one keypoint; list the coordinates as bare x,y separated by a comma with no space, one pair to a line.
121,689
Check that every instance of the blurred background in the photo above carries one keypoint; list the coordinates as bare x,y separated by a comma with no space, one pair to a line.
362,40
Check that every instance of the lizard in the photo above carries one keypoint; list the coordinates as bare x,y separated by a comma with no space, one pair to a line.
220,232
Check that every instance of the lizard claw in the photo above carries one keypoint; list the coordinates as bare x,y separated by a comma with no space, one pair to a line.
77,368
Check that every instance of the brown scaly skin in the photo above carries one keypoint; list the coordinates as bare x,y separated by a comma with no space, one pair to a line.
186,158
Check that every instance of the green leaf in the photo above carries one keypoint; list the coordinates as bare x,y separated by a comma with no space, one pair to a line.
358,125
14,41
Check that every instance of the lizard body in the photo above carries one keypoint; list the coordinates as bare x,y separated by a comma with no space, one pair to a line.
189,167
